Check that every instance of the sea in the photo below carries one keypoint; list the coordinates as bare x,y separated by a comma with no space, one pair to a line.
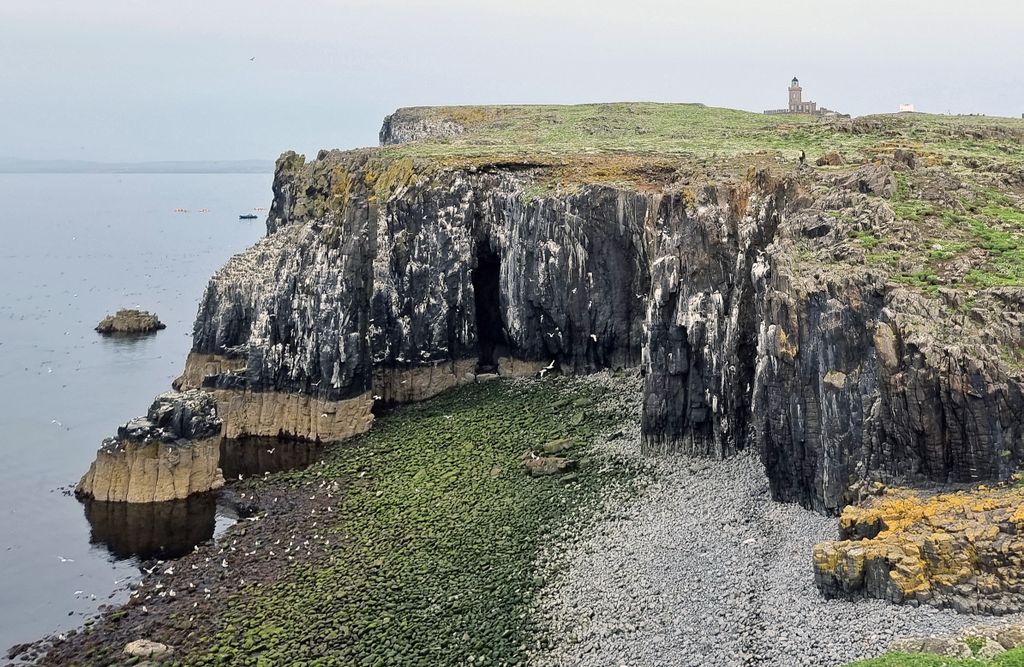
74,248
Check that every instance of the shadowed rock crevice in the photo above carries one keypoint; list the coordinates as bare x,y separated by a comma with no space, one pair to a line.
492,340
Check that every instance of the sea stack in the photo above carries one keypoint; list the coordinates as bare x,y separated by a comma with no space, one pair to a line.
171,453
129,321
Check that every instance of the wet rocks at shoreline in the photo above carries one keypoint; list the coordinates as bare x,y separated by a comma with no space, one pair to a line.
366,531
130,321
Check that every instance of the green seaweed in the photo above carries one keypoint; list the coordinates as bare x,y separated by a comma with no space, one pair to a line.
433,546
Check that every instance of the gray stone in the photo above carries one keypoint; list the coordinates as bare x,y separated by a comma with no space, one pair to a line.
144,648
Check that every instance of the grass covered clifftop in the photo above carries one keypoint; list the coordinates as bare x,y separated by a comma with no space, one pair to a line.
688,132
956,193
950,189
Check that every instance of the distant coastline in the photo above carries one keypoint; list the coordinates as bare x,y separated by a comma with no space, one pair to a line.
24,166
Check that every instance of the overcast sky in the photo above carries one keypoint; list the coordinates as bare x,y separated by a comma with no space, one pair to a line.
151,80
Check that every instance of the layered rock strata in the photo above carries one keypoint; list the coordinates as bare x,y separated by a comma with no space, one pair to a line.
376,282
963,550
744,290
169,454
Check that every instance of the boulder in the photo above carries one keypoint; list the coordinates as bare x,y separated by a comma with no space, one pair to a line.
542,466
872,179
906,158
144,648
832,159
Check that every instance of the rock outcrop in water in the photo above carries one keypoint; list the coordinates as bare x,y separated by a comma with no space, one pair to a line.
169,454
770,305
128,321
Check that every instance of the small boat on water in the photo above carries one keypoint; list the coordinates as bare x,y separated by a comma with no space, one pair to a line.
247,216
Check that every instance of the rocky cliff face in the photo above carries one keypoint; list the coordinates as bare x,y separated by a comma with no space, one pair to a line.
354,294
747,292
169,454
412,125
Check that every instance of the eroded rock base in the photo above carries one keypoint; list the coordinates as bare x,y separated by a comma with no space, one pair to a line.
272,414
170,454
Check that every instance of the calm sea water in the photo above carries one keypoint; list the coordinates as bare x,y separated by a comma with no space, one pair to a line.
74,247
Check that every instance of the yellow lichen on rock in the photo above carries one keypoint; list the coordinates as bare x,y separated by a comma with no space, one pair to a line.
962,550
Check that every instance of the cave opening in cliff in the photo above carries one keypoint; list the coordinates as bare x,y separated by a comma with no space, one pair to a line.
492,339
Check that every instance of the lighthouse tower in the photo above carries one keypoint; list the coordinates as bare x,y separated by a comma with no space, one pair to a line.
796,96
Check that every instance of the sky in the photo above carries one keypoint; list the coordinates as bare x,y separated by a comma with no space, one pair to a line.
123,80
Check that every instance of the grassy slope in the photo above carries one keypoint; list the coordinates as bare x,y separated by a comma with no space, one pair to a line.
694,130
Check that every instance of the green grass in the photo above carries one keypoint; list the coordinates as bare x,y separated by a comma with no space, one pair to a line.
1012,658
1013,356
698,131
924,280
991,221
1006,253
867,240
433,549
1005,214
947,250
906,206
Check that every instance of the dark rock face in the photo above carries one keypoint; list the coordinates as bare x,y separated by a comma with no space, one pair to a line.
296,307
701,347
408,125
189,415
314,306
371,273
